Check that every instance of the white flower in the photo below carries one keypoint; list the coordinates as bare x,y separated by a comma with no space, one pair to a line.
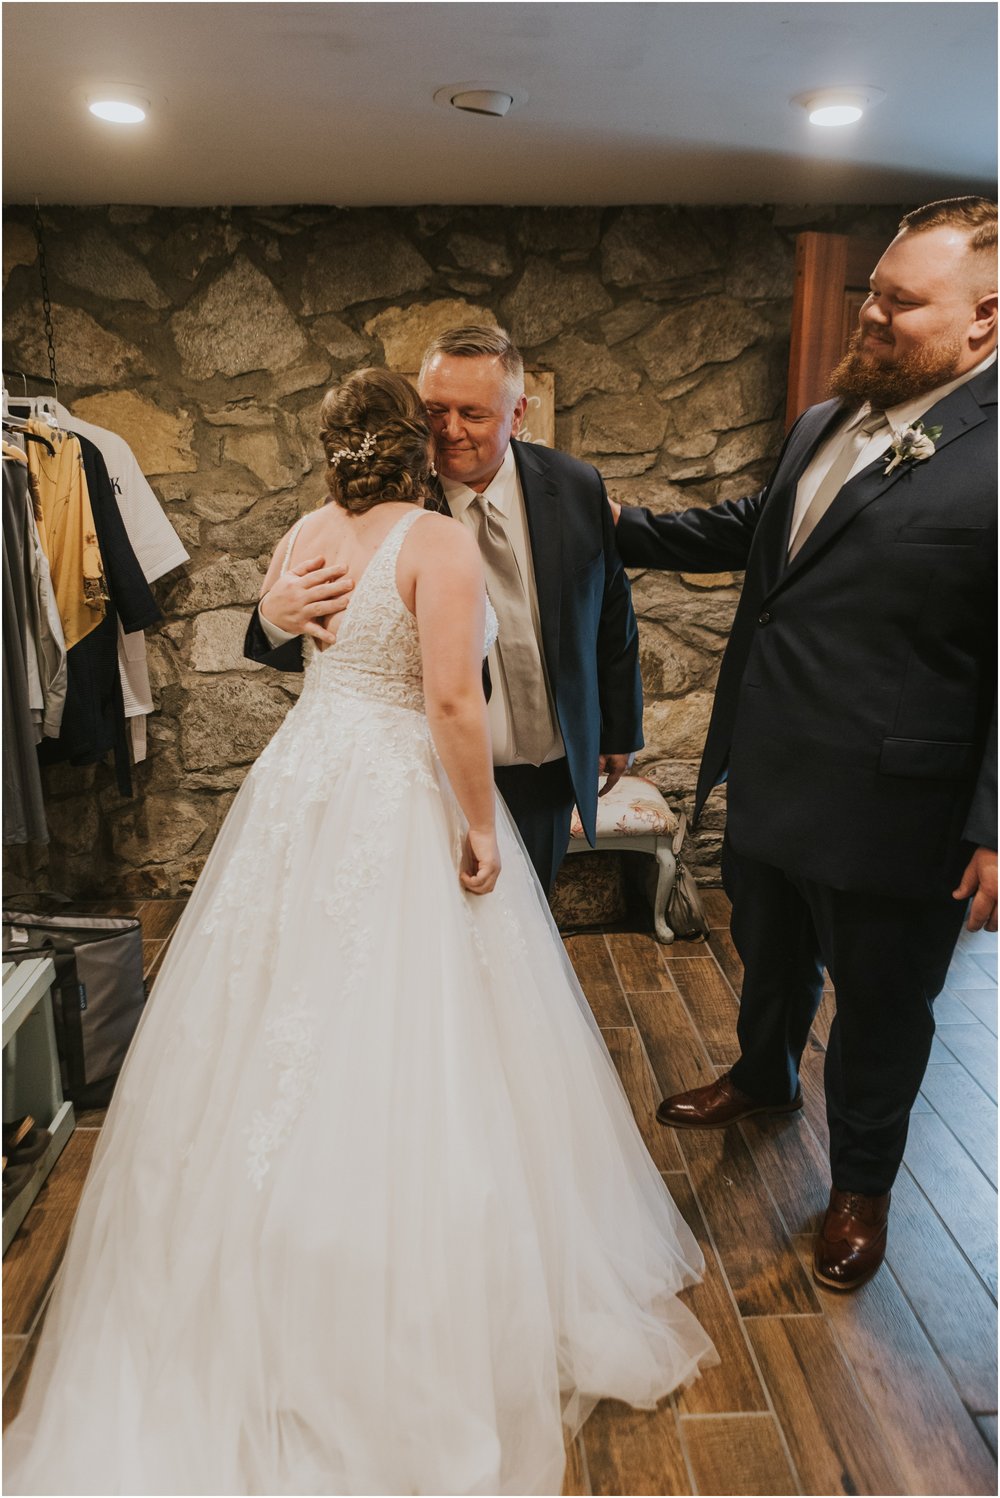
913,444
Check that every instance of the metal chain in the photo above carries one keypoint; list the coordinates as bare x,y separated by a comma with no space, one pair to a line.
46,303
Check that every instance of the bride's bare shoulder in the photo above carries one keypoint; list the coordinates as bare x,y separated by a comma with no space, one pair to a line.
294,547
440,538
436,529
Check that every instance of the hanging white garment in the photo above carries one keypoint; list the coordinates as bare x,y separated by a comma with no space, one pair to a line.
157,546
137,693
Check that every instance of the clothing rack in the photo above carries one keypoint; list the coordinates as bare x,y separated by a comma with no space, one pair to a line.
107,694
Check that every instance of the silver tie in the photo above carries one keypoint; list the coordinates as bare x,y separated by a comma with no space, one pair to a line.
855,441
517,649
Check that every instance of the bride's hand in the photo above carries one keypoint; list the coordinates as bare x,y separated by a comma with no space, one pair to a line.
480,862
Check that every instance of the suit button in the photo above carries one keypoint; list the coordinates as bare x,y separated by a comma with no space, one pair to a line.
764,617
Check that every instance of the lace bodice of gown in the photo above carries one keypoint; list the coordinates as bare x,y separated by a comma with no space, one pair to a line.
377,654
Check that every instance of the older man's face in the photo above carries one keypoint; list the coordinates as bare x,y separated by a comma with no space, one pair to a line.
473,415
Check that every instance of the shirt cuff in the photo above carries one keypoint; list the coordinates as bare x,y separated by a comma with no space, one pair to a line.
275,635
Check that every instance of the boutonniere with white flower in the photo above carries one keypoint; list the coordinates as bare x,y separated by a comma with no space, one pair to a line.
914,444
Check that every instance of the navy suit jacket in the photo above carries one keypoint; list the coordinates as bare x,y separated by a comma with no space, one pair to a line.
589,636
855,713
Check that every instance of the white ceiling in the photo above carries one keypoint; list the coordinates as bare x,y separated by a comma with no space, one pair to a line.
274,103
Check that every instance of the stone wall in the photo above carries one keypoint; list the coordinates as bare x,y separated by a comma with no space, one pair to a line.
207,338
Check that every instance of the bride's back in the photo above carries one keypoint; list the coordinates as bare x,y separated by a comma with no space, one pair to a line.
417,607
346,540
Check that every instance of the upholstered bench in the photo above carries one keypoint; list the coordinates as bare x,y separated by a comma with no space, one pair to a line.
635,818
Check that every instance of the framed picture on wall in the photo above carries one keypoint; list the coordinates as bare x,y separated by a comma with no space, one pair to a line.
540,417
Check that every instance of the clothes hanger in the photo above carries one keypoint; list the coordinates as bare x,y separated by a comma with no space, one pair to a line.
41,407
12,423
44,408
35,437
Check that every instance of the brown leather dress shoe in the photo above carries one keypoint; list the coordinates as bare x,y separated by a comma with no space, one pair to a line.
850,1246
716,1106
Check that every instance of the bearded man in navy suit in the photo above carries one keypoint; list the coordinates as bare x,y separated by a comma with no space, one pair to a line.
565,696
855,714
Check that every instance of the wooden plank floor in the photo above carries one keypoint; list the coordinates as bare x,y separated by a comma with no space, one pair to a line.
890,1390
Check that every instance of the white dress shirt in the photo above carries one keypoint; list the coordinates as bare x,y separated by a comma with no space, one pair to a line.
898,418
504,494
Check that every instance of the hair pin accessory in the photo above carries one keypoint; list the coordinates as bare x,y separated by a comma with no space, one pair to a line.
360,455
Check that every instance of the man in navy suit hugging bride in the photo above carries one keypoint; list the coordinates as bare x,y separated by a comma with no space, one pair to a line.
565,699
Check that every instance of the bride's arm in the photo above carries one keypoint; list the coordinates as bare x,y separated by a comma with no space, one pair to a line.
449,604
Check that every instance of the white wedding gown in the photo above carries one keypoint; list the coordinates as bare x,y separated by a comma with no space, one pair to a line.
369,1212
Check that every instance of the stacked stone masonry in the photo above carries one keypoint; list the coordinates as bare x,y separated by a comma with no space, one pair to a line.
207,338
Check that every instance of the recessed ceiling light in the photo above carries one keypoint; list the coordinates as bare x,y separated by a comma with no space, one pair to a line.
480,98
838,106
835,114
483,101
118,104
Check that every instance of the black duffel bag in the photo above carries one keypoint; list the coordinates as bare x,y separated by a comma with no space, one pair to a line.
98,993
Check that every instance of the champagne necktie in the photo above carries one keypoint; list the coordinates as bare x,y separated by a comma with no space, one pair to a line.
855,441
517,647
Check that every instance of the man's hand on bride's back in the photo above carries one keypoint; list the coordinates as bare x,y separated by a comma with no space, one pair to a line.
480,862
305,598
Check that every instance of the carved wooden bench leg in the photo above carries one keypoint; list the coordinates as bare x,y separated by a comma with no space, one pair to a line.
665,876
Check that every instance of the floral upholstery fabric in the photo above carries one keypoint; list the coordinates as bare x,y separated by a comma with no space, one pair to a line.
635,808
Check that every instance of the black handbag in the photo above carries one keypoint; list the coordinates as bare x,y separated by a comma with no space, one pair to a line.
98,993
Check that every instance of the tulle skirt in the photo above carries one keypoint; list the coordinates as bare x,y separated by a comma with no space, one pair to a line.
369,1212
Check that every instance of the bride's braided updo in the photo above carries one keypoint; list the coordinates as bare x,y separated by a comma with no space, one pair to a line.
376,437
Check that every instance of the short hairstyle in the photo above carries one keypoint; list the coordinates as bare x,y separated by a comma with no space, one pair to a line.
478,341
976,217
375,403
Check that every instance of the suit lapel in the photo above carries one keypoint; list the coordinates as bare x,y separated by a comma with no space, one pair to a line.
957,414
812,428
542,508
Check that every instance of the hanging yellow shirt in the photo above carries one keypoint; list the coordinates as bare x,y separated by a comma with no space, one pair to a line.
68,533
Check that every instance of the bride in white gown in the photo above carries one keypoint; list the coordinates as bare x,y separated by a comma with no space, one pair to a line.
369,1212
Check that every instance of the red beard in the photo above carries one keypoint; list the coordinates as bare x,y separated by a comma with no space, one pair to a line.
859,377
